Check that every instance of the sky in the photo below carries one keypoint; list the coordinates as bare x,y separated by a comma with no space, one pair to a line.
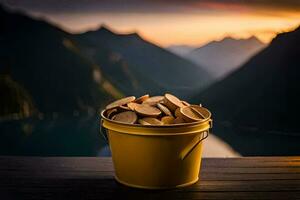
170,22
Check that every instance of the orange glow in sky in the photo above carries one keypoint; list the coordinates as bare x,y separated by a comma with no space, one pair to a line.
187,28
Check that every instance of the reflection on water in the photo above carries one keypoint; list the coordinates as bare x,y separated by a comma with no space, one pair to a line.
49,137
215,147
80,136
258,142
74,136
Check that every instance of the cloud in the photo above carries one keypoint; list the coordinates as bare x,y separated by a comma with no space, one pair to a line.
149,6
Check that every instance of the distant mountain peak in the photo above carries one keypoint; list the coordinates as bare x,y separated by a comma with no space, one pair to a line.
134,35
270,79
253,37
230,39
102,29
220,57
105,29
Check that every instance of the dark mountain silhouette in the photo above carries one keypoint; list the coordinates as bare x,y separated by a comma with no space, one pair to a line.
41,59
85,71
260,100
44,73
145,60
224,56
117,69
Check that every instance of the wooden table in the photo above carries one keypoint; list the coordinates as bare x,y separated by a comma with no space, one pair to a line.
92,178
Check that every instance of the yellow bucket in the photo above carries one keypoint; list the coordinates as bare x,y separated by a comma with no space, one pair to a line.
156,157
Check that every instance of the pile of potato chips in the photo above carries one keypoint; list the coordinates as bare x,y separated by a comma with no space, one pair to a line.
156,110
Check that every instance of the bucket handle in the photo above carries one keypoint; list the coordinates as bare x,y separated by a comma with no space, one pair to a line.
185,153
103,131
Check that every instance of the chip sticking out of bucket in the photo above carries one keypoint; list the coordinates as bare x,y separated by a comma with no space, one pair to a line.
120,102
194,113
153,100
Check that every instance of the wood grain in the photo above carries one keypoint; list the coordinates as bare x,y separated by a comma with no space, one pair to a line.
92,178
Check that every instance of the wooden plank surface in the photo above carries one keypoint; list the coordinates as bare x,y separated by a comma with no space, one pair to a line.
92,178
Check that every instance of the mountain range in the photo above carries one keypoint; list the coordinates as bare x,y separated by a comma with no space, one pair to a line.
220,58
259,101
67,73
39,61
52,83
144,61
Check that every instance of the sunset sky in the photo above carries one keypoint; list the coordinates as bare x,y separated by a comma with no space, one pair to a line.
190,22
